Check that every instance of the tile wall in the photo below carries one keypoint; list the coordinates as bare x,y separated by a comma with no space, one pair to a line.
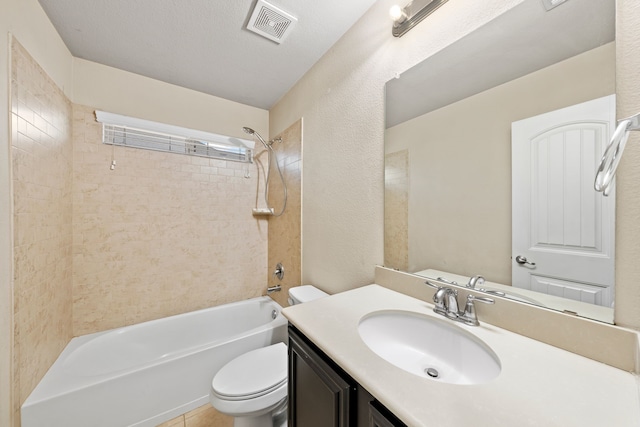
41,154
396,210
284,231
161,234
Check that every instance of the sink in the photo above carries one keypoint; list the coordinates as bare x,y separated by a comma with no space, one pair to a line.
429,347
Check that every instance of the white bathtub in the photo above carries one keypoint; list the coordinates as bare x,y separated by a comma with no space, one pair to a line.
145,374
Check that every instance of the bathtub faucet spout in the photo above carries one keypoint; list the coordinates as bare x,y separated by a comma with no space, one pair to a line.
272,289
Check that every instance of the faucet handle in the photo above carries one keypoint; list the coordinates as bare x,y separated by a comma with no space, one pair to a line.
470,317
433,285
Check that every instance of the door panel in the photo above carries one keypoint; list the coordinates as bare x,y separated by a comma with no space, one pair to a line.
559,221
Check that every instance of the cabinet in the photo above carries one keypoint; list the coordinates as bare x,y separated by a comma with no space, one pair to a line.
321,394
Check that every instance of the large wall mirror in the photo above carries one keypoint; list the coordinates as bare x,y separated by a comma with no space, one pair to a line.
537,82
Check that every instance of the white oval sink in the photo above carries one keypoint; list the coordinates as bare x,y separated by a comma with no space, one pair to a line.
429,347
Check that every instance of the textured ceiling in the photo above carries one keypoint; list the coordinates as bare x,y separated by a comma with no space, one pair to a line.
203,44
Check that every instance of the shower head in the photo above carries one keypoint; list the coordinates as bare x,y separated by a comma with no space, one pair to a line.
257,135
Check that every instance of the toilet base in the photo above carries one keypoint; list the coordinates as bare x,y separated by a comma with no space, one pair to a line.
264,420
274,418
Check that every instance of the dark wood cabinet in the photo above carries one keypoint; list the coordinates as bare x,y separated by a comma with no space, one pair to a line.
379,416
321,394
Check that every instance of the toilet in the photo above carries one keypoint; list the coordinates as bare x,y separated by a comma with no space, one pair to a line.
252,388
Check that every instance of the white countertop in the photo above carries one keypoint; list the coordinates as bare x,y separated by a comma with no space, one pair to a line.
539,385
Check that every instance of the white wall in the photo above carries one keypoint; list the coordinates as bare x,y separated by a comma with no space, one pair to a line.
342,101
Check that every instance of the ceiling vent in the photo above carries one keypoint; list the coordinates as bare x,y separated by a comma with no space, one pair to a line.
271,22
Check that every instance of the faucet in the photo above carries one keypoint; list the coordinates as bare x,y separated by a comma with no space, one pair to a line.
475,280
446,301
479,280
272,289
446,304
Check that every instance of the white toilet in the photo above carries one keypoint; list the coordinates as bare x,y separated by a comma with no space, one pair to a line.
252,388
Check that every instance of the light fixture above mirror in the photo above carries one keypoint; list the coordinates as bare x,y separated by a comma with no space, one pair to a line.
405,18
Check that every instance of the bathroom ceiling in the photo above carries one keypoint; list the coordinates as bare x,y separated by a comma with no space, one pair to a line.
203,44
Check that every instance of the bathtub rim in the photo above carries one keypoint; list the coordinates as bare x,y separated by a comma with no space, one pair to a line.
57,376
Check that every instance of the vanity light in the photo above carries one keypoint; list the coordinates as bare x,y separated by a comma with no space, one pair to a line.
397,14
406,18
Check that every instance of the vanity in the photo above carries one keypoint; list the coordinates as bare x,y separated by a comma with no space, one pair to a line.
537,384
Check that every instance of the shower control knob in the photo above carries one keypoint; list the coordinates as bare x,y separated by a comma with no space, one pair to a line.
279,271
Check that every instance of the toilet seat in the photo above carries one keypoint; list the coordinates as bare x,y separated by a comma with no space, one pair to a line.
251,383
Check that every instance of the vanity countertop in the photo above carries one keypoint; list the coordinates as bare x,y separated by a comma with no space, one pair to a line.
539,385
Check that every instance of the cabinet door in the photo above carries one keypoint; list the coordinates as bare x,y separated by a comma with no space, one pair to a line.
379,416
319,396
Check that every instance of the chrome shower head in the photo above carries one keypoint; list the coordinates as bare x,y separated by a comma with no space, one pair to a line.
257,135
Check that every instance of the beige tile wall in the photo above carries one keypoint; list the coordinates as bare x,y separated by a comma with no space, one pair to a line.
396,210
161,234
41,153
284,231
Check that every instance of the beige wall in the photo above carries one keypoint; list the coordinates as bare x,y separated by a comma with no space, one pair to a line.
342,102
119,92
627,311
27,21
460,192
41,153
122,92
284,230
161,234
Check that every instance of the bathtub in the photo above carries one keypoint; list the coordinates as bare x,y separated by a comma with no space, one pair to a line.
145,374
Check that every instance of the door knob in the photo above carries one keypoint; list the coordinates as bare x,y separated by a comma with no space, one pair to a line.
523,260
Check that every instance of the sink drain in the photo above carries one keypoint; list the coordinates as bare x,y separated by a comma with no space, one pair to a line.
432,372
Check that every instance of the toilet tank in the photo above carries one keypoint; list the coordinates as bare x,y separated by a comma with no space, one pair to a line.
305,293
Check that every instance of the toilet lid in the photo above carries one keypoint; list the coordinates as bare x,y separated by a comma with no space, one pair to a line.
252,374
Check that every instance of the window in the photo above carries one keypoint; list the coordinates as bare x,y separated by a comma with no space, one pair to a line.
130,132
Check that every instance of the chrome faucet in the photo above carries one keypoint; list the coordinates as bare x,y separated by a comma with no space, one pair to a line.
475,280
451,303
479,281
272,289
446,304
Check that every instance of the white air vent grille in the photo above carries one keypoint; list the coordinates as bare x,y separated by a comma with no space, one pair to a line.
271,22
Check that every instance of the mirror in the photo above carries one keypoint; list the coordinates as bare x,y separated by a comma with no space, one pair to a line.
448,144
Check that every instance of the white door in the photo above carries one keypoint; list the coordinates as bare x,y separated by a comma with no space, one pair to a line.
562,229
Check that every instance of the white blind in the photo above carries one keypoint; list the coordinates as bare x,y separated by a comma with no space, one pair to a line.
179,140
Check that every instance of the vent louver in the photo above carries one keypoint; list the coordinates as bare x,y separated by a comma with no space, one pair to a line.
271,22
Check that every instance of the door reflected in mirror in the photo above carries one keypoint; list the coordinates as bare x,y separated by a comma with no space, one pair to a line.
448,157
